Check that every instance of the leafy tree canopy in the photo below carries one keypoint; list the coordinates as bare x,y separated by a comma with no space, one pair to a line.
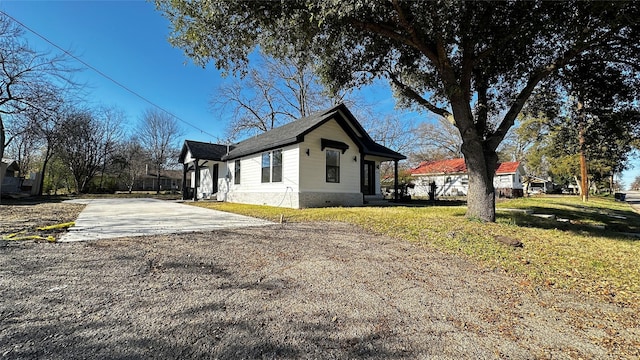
477,62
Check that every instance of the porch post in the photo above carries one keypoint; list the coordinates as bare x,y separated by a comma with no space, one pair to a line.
395,180
184,181
197,179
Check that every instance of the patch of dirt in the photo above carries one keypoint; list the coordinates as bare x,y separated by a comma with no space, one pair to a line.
314,290
24,218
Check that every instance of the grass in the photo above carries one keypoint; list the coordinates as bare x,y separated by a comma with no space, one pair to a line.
577,254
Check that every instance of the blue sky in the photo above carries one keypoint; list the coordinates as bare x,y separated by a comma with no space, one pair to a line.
127,40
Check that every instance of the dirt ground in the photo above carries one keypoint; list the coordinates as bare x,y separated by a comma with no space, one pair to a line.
22,218
303,291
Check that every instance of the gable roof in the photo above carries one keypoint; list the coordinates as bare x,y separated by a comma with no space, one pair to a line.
449,166
202,150
507,167
458,166
294,132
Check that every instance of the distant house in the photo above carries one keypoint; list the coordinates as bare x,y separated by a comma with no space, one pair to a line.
170,180
325,159
536,185
452,179
10,182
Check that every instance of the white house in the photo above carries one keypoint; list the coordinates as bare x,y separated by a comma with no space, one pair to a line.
325,159
451,178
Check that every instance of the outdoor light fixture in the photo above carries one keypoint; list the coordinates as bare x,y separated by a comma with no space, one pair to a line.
308,151
355,158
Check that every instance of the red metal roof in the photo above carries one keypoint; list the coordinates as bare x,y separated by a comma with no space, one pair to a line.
450,166
508,167
456,166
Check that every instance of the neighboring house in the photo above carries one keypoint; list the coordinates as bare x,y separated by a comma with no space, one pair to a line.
536,185
10,183
170,180
451,178
325,159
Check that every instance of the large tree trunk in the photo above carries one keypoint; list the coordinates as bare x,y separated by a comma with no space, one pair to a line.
584,188
481,198
480,159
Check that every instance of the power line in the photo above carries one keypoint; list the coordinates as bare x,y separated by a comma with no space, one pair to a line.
119,84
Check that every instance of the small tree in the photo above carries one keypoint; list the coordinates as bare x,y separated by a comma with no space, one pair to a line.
112,120
129,162
159,135
82,145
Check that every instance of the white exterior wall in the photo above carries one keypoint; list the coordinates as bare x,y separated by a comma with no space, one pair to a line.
457,186
223,181
205,190
252,190
303,176
313,167
508,181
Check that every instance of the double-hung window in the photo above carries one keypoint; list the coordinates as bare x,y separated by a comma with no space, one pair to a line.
333,165
236,172
276,167
272,166
266,167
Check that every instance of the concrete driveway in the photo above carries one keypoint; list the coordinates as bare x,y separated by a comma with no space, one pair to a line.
113,218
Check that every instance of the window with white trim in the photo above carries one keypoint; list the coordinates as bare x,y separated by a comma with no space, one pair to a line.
272,166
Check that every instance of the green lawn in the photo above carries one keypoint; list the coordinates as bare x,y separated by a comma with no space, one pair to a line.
586,252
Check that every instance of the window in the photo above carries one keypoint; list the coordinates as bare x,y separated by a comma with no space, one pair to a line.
266,167
236,172
333,166
272,166
276,168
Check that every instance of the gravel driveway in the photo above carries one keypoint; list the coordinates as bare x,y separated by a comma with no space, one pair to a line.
319,290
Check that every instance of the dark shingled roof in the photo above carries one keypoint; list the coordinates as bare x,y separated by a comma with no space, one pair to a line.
295,131
202,150
291,133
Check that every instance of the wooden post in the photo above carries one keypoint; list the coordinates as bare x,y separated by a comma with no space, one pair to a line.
197,179
395,180
185,168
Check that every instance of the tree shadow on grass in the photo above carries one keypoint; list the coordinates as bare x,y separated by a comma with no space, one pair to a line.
615,224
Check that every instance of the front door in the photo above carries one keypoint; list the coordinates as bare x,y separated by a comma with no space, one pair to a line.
214,178
369,178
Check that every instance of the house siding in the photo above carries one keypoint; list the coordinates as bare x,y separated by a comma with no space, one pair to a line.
456,186
252,190
313,167
509,185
